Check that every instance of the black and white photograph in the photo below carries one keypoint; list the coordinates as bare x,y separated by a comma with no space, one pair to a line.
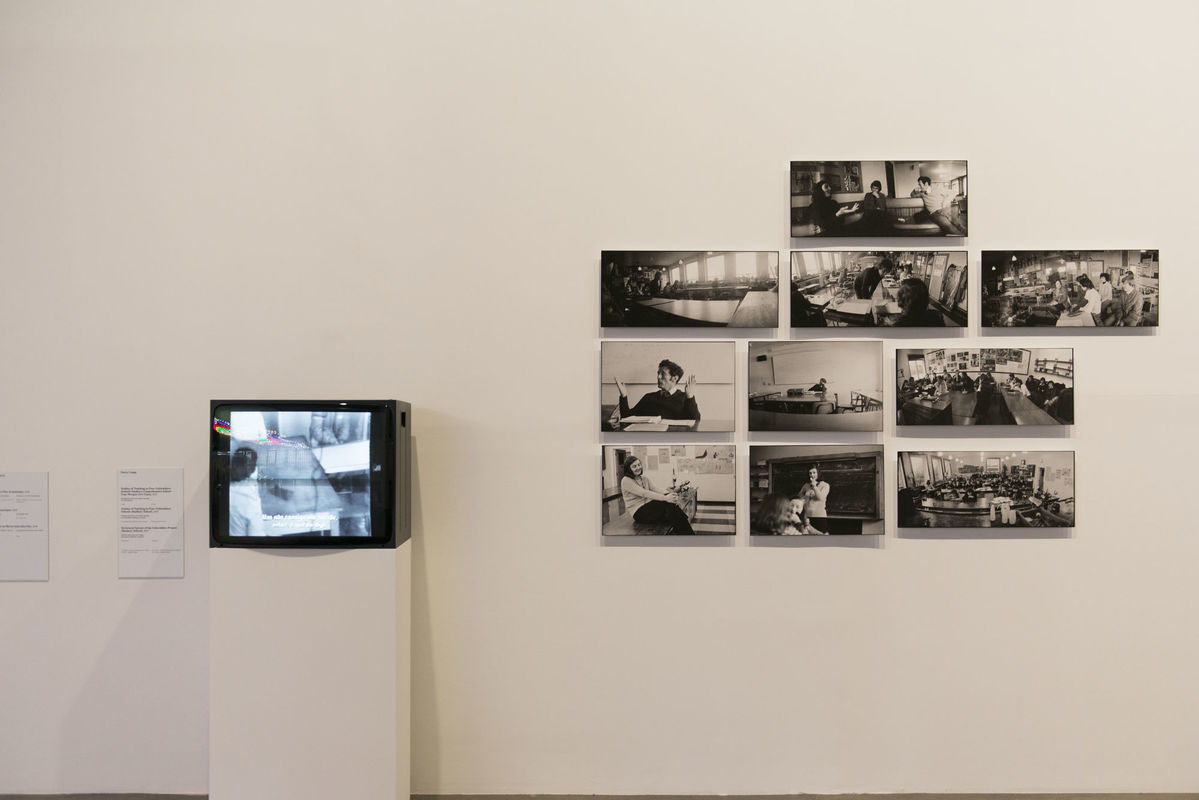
299,472
816,490
1069,288
878,198
666,386
985,386
692,289
986,489
669,490
878,288
816,386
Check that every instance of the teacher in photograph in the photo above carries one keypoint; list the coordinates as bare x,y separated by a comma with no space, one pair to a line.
668,402
647,503
814,494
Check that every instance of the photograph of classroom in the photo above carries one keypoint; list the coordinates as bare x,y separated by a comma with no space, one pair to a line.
1069,288
910,288
660,490
816,386
667,289
878,198
666,386
797,490
988,386
987,489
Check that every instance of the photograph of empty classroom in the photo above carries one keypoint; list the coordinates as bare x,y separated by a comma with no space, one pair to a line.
815,490
665,490
704,289
1069,288
878,198
878,288
987,386
987,489
666,386
816,386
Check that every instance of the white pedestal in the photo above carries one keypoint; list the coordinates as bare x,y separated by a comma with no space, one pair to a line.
310,674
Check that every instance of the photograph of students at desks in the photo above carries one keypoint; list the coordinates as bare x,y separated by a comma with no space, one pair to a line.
664,490
873,288
989,386
654,289
878,198
988,489
815,490
1066,289
815,386
666,386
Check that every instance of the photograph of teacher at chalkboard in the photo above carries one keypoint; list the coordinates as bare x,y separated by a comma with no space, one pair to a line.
816,490
816,386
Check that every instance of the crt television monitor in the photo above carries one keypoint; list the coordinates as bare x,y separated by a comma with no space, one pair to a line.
288,473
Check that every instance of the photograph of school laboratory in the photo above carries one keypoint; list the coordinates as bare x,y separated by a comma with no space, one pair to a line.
989,386
989,489
878,198
660,490
666,289
1069,288
797,490
666,386
878,288
816,386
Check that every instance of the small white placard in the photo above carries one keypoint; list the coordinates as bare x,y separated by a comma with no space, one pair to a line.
150,523
24,526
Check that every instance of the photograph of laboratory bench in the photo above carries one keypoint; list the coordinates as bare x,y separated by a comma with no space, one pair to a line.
816,386
878,198
667,289
666,386
987,386
1070,288
665,490
825,489
909,288
988,489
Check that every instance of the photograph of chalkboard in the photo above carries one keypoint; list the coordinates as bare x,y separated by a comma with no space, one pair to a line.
816,489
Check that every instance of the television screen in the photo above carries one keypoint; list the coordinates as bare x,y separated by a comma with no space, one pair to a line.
304,474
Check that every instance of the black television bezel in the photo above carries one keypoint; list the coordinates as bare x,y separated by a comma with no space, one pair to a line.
384,496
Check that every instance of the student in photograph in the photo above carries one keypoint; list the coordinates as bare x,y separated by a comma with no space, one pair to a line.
776,516
647,503
1105,287
938,205
814,494
875,220
803,527
866,282
1091,304
913,306
668,402
821,387
1130,303
1061,297
245,504
826,213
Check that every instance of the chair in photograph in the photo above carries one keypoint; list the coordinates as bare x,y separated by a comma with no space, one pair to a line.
828,407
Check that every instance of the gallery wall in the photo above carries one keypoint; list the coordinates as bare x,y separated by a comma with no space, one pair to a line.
370,199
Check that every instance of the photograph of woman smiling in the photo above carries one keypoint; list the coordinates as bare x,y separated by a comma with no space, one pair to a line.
647,503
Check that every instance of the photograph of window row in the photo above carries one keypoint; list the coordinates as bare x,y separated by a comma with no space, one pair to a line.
689,289
984,386
1070,288
986,489
878,198
879,288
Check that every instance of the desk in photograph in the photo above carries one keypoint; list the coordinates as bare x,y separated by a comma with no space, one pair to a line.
704,425
1025,411
1080,319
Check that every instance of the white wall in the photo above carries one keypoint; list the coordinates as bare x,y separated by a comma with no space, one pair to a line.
409,200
